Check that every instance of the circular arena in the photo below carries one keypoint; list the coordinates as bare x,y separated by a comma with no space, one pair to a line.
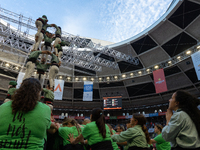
124,71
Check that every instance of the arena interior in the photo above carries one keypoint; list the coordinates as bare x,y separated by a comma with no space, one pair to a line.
120,69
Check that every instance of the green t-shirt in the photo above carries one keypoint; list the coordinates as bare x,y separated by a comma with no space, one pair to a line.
48,39
24,130
11,91
45,27
65,131
42,67
91,133
58,46
35,54
54,58
161,143
58,31
48,94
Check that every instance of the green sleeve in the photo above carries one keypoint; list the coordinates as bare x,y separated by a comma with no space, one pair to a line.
86,132
45,90
56,27
171,130
159,139
125,135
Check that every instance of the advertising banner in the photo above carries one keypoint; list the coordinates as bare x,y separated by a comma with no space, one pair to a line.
159,81
58,89
196,63
88,91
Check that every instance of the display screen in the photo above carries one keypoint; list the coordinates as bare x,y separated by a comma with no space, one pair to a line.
114,102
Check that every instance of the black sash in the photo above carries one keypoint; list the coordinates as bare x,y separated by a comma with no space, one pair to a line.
33,60
180,148
105,145
73,147
137,148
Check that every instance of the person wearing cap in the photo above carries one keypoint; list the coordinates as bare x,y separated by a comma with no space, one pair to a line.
55,64
30,66
11,90
48,95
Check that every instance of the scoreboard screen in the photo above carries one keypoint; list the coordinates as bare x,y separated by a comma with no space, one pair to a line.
114,102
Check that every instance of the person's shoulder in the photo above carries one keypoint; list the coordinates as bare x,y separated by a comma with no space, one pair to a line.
42,106
7,104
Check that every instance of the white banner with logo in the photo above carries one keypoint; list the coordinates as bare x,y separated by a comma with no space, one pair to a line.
88,91
196,62
58,89
20,79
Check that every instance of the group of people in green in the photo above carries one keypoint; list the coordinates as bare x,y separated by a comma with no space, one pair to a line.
25,122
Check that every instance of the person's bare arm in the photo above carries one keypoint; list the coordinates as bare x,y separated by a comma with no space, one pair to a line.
76,140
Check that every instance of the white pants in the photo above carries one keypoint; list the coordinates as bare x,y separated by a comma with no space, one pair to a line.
57,41
38,25
52,75
30,67
40,38
41,78
60,55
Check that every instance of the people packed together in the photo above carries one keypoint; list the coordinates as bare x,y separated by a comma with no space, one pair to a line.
27,123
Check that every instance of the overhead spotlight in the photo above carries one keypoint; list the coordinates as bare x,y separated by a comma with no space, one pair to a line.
188,52
60,77
68,78
92,79
123,76
148,70
169,62
84,79
115,77
198,47
156,67
140,72
100,79
35,72
76,79
178,57
16,68
108,78
131,74
7,65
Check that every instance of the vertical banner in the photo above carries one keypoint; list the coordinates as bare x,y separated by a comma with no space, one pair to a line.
159,81
58,89
20,79
196,62
88,91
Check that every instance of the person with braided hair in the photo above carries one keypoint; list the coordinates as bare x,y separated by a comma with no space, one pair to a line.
25,120
182,129
70,126
137,137
97,133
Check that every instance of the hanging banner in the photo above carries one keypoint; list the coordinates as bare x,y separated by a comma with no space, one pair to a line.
58,89
159,81
20,79
88,91
196,63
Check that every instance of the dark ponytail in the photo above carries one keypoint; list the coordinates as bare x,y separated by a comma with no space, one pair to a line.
98,116
142,121
145,130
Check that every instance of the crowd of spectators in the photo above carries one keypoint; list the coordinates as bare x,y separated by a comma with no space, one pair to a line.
27,123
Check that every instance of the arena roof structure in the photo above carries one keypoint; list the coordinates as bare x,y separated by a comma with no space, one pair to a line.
123,68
